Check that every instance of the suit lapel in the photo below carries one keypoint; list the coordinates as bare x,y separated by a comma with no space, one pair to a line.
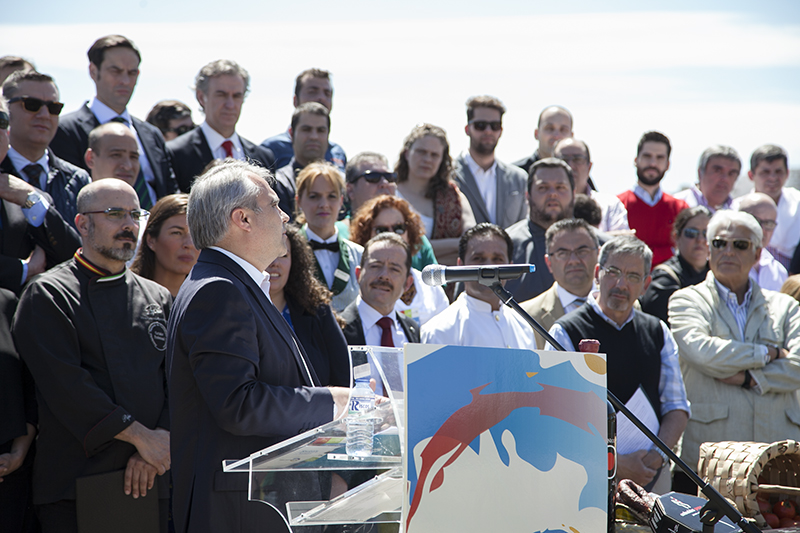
87,118
472,186
502,192
409,328
201,146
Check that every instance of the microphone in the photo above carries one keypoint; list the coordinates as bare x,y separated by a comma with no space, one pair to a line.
436,275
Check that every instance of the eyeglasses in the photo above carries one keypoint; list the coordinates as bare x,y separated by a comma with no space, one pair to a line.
739,244
35,104
767,224
693,233
180,130
481,125
373,176
577,158
397,228
117,213
3,120
562,254
615,274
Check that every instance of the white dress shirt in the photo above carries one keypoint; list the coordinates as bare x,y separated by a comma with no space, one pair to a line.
215,140
372,331
328,260
487,184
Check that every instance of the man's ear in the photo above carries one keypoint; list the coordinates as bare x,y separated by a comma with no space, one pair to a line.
201,98
547,262
89,158
82,224
409,282
240,219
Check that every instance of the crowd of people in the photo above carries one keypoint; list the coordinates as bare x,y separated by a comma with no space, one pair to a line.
174,294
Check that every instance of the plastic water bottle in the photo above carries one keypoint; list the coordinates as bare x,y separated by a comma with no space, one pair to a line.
359,417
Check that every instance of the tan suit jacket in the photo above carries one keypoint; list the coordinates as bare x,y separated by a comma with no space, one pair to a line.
546,309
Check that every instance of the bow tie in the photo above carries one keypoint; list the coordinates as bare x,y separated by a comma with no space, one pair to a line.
330,246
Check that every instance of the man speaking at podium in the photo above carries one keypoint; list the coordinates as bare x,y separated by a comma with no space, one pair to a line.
239,380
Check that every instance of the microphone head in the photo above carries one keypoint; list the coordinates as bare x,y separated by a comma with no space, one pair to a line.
433,275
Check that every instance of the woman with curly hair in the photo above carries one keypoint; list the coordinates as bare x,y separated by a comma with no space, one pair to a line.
167,253
424,178
305,304
390,213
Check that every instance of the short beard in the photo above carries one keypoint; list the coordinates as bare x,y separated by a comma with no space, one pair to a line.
545,219
115,254
484,149
649,181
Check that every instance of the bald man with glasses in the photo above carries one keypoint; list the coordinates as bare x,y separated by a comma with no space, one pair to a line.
739,345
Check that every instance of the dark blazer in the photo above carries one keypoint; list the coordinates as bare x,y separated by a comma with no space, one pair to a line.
237,384
72,140
18,239
510,203
323,341
190,154
354,330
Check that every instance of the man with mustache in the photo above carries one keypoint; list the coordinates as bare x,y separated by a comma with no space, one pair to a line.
641,354
477,317
651,211
383,276
99,370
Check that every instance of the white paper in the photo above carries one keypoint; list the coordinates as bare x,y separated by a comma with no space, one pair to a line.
629,438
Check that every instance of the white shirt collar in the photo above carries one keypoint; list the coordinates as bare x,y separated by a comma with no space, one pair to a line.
20,162
369,315
479,306
644,196
215,139
315,237
105,114
567,297
260,278
475,168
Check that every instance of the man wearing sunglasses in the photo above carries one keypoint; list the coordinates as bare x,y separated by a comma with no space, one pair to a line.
495,190
739,345
768,272
555,123
642,358
33,109
114,69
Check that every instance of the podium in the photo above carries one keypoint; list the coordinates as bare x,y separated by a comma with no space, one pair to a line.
471,439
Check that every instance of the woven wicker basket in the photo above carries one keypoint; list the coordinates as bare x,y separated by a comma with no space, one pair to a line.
740,470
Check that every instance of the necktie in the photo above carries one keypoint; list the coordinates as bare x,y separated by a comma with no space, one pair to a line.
330,246
576,303
385,324
121,120
33,172
140,185
228,146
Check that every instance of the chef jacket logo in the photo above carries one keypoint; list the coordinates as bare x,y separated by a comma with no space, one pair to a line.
152,311
158,335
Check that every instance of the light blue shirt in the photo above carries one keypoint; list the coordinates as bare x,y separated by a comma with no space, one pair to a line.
644,196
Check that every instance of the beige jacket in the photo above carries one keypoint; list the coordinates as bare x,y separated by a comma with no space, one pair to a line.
708,339
546,309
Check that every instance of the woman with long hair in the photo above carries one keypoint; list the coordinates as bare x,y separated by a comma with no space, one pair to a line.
424,178
166,253
390,213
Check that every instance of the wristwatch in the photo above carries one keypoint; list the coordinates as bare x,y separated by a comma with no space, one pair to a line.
33,199
663,455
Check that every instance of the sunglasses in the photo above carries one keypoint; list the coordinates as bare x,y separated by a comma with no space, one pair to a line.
117,213
397,228
180,130
481,125
739,244
693,233
3,120
373,176
35,104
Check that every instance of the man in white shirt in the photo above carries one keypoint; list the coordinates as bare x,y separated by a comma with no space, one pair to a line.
768,272
477,317
717,173
576,154
495,190
220,89
383,276
572,248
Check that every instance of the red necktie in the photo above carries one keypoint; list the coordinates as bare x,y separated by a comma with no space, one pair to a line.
228,146
386,336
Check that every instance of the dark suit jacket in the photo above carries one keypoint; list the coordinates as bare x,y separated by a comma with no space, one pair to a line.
190,154
237,384
354,330
323,341
72,140
510,203
18,238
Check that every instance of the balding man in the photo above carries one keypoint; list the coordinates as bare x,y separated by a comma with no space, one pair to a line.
576,154
768,272
555,123
717,172
99,371
113,153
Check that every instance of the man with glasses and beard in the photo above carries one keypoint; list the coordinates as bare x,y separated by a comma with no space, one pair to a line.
739,346
495,191
551,195
651,211
99,371
33,109
642,356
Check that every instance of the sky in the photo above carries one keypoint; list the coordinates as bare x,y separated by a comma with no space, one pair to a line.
703,73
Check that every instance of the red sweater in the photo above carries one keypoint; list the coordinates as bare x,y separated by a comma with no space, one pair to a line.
653,225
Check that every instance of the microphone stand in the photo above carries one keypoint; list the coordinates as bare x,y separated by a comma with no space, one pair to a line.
717,505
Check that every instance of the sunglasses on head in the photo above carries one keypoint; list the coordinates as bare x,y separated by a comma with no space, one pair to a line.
481,125
373,176
693,233
739,244
397,228
3,120
180,130
35,104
